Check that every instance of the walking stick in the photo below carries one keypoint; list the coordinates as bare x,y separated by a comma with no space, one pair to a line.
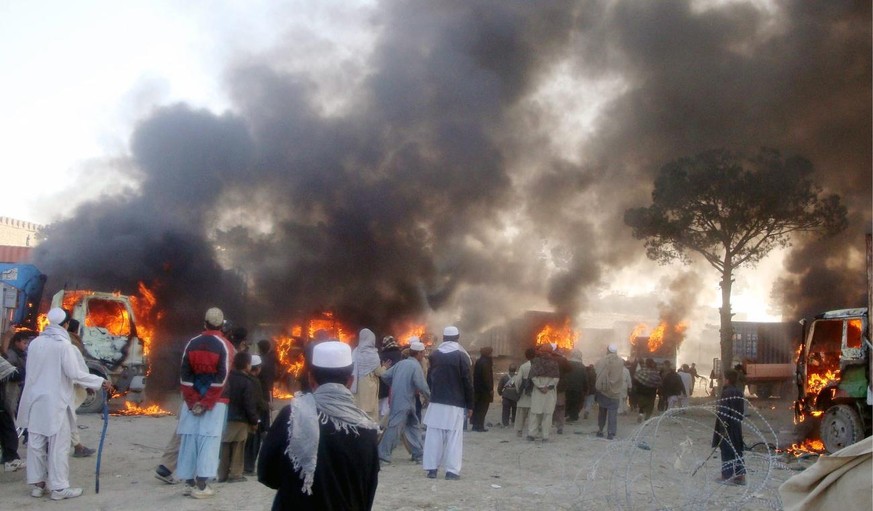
702,463
102,438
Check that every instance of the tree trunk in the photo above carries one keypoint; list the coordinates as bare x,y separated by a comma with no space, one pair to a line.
725,328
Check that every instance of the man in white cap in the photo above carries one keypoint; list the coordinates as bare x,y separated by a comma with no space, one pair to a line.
47,404
406,379
451,384
253,441
322,451
206,364
610,380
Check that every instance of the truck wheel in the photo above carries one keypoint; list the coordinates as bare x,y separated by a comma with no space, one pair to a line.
764,390
93,402
841,427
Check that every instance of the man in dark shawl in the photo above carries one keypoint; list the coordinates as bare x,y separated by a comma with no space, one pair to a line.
649,380
728,434
322,451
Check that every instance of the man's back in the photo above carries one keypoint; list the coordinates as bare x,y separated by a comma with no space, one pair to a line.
450,379
405,378
346,473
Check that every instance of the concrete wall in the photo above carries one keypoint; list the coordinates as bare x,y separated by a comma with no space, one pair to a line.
18,232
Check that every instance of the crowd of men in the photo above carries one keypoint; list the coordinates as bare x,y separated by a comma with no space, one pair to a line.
325,449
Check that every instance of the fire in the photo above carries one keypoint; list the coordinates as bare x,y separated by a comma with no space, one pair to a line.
564,335
110,315
42,322
637,332
146,315
419,331
326,321
817,381
808,446
656,338
134,409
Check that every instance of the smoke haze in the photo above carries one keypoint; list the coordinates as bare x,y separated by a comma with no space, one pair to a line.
475,159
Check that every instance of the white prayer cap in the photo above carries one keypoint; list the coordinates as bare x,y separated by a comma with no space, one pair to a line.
331,355
414,339
256,360
56,316
451,331
416,345
214,317
612,348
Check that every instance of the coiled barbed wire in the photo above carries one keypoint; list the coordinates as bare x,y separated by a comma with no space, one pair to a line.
668,462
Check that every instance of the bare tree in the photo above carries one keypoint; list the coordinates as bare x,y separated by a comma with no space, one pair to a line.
733,210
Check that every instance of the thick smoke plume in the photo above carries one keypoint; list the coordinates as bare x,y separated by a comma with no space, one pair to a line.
450,178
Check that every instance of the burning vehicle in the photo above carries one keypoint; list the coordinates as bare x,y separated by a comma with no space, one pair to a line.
661,345
115,348
833,377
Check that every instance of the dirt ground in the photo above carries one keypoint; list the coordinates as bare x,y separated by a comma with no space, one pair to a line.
662,463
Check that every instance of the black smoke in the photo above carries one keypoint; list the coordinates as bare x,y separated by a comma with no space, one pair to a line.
437,184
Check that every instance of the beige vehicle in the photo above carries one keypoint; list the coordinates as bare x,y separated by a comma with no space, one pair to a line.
113,350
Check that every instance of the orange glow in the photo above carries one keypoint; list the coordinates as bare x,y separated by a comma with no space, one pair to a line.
563,335
656,338
806,447
41,322
113,316
412,331
146,315
326,321
289,347
815,382
134,409
638,331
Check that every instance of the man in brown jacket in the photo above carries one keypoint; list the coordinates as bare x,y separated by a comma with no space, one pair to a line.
610,379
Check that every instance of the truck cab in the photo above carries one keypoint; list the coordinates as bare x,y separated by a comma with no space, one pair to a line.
833,376
107,327
21,287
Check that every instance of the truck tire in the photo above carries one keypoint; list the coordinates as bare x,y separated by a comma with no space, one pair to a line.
841,426
764,390
93,402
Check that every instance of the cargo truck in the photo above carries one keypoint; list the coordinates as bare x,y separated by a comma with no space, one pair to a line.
768,353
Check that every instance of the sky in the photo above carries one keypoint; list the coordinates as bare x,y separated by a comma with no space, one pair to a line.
512,127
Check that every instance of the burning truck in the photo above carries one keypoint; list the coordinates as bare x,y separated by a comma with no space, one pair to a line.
115,345
661,345
833,377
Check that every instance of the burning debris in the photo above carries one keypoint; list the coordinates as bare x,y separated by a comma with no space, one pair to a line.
290,346
661,344
132,409
808,447
561,334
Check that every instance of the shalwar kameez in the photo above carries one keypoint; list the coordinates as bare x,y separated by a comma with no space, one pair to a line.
47,402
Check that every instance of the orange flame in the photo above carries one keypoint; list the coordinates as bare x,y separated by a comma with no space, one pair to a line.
817,381
42,322
563,335
146,315
808,446
638,331
289,347
419,331
134,409
656,338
